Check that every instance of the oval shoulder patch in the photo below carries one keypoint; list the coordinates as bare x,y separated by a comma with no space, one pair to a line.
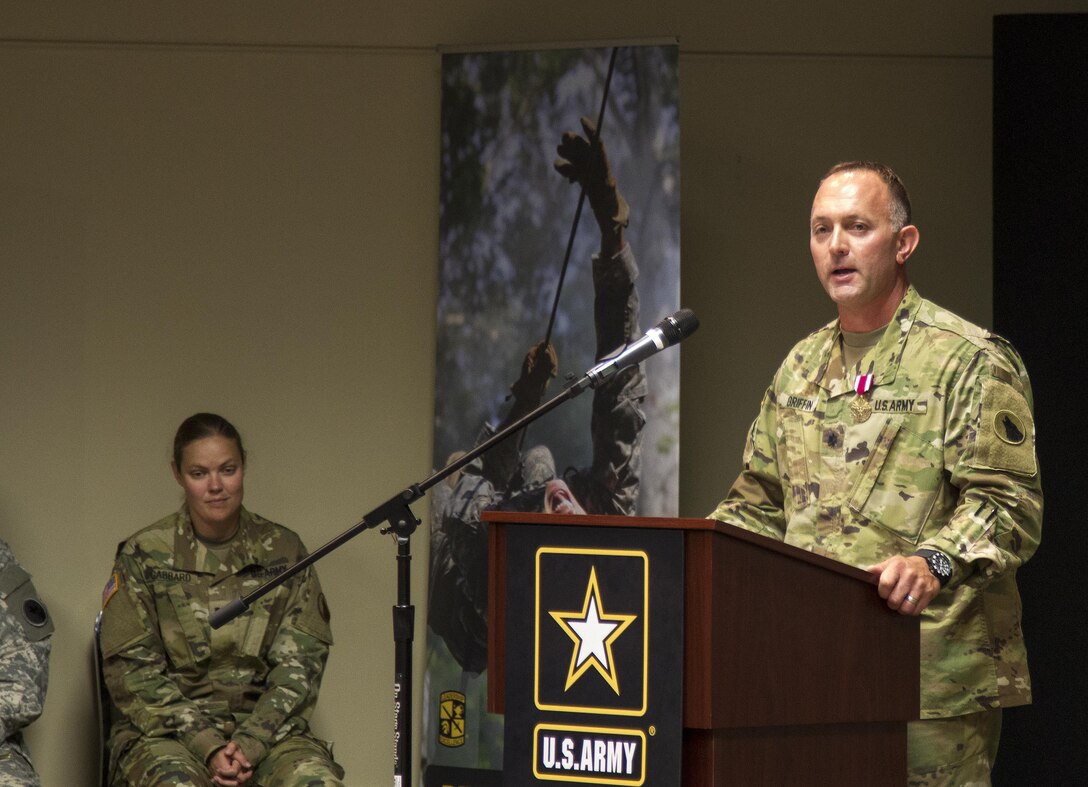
1008,427
35,613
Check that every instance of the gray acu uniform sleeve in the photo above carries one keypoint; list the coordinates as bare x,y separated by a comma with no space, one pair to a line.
25,630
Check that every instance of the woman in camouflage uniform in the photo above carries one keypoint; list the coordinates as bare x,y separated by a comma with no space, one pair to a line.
206,707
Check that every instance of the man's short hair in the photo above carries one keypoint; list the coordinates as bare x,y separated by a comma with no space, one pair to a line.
900,208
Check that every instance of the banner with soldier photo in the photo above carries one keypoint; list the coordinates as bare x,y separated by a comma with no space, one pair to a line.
559,243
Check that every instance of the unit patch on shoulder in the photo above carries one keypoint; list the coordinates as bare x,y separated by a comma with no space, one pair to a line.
35,613
1006,436
1009,427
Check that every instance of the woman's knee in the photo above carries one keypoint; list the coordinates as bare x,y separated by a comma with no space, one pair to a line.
151,763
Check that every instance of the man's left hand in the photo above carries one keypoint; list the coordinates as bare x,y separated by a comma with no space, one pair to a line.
906,583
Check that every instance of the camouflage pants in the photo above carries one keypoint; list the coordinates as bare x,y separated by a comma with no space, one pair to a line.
954,752
15,770
296,762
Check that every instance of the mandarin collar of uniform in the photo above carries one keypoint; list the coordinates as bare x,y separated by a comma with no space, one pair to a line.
830,372
186,544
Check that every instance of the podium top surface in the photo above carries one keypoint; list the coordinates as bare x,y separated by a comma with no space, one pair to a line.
689,524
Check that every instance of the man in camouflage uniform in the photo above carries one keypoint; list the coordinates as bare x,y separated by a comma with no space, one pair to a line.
186,692
25,631
506,478
899,438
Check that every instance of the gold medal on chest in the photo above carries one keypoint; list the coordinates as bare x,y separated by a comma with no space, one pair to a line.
861,407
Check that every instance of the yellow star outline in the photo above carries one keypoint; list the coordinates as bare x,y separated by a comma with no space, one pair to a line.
593,633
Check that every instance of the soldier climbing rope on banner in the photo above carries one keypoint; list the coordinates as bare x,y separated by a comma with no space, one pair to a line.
508,478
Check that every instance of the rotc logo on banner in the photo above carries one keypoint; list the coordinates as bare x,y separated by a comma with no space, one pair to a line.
602,613
451,725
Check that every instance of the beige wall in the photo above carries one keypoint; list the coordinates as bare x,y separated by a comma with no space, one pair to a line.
234,207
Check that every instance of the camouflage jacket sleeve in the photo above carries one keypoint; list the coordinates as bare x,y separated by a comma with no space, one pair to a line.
297,659
137,671
990,457
617,420
25,629
755,501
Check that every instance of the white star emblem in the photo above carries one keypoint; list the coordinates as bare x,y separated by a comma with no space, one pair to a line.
593,633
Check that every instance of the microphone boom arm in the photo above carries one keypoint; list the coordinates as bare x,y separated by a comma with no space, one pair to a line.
395,511
396,514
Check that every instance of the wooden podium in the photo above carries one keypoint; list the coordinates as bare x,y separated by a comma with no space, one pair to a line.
795,671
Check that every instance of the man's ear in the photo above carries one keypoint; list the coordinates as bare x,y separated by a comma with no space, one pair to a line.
906,242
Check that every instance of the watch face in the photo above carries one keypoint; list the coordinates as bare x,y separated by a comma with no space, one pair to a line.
940,564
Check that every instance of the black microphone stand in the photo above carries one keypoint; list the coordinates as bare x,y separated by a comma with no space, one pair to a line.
399,520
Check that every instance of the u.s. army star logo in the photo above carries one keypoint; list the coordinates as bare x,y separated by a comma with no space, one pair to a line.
593,633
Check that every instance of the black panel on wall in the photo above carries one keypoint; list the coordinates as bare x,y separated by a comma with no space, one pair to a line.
1040,292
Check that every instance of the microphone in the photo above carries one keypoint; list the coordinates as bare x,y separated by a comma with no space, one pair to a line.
670,331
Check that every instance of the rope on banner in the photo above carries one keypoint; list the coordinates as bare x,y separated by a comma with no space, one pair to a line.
581,201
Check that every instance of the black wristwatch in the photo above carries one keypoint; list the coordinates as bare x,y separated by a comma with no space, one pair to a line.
939,564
